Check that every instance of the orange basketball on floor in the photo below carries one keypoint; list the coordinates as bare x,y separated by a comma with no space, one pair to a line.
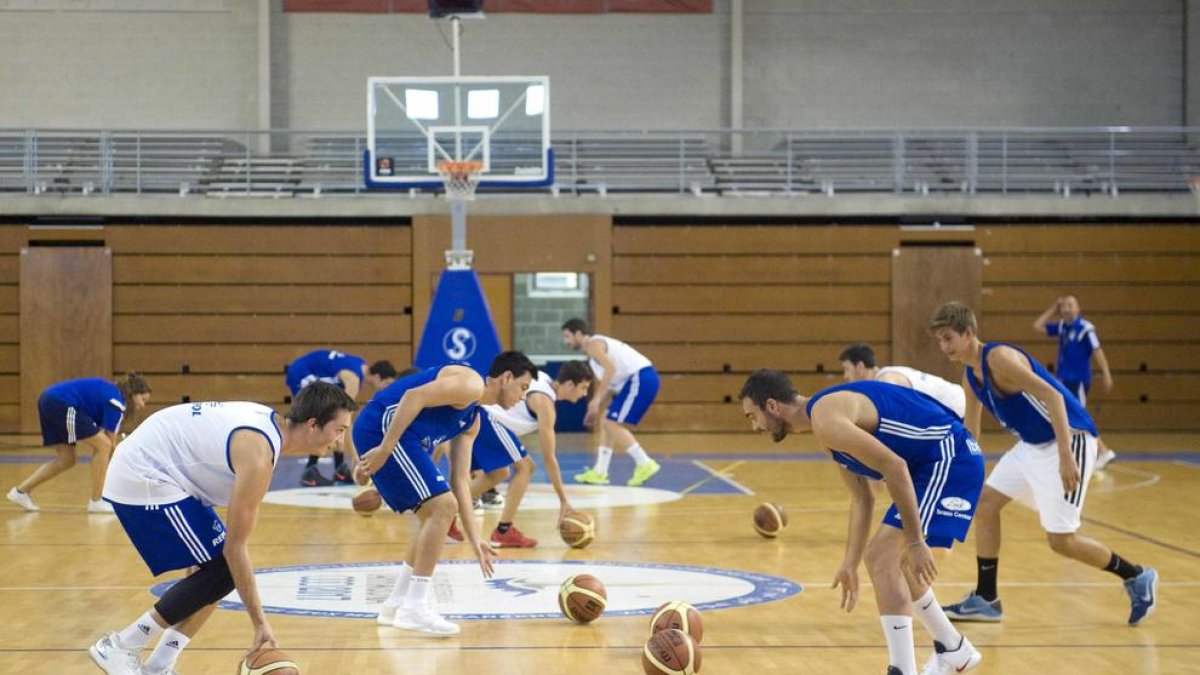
577,530
670,652
268,661
680,616
769,520
582,598
367,501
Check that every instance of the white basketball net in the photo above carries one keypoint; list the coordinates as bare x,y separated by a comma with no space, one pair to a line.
460,179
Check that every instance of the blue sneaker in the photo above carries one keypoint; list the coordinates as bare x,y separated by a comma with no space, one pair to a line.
1143,595
975,608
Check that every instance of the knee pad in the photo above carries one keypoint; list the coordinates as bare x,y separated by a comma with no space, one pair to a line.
207,585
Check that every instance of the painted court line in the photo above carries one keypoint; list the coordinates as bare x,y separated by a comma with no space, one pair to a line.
721,475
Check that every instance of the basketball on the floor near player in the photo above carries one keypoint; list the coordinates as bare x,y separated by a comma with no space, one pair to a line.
680,616
582,598
268,661
769,520
577,530
367,501
671,652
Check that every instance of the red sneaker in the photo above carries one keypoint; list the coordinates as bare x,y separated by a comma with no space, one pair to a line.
454,534
514,538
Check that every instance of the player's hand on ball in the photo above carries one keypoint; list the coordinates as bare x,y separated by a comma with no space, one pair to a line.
847,578
263,637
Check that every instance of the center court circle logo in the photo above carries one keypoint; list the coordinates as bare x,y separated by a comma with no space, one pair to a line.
539,497
520,589
458,343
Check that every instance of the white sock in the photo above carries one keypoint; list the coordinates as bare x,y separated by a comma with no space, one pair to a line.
164,655
638,454
137,634
927,609
901,653
400,589
603,457
418,590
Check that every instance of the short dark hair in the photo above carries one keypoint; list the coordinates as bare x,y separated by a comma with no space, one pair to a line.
859,352
575,372
764,384
319,401
383,368
512,362
132,383
576,325
953,315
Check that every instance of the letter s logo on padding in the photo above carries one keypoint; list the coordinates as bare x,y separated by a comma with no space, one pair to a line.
459,343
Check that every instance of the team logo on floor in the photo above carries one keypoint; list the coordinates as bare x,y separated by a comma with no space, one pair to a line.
520,589
539,497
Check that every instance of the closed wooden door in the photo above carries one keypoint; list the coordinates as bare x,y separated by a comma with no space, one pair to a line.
924,277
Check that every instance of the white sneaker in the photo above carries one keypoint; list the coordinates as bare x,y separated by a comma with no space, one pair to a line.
424,620
99,506
945,662
114,659
477,506
147,671
387,614
1104,459
23,500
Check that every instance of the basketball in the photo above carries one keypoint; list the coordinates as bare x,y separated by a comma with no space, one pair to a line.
577,530
582,598
670,652
680,616
367,501
770,520
268,661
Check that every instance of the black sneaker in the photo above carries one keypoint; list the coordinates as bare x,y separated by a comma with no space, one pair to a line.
312,478
492,499
343,475
893,670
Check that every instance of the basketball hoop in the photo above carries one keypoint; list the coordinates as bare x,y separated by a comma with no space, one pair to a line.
460,179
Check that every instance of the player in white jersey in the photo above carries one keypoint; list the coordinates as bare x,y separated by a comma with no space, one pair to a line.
858,363
498,446
633,382
163,484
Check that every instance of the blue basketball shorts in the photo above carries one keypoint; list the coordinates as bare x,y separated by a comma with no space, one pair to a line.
409,478
947,491
172,536
495,446
64,424
634,399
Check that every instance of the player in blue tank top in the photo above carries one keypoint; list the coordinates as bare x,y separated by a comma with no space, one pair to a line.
344,370
395,434
1047,469
85,412
934,471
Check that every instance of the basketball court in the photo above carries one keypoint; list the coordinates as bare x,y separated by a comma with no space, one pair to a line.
766,604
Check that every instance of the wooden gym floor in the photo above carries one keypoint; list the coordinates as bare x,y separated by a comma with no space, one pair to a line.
69,576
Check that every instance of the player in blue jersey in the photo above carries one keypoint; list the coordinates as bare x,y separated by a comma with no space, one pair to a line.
931,466
1047,469
346,371
88,413
1078,346
395,434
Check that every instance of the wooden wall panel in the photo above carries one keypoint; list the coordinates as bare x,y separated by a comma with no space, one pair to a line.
258,358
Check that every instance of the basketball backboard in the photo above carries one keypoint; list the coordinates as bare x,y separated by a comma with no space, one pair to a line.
413,123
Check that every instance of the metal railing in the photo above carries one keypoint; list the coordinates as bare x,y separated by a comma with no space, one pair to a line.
283,163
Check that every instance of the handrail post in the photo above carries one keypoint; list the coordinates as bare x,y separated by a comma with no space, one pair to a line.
898,162
972,161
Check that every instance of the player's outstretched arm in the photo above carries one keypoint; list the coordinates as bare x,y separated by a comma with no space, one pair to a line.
250,456
862,503
597,350
460,484
543,408
973,415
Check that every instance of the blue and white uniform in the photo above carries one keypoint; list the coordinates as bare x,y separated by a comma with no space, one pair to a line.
498,443
634,385
1029,472
322,365
1076,343
944,461
409,477
172,470
75,410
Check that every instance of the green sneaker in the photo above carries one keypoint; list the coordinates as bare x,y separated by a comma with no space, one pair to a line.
592,477
643,473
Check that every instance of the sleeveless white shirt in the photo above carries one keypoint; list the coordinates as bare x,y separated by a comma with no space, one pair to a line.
627,361
947,393
183,451
518,419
